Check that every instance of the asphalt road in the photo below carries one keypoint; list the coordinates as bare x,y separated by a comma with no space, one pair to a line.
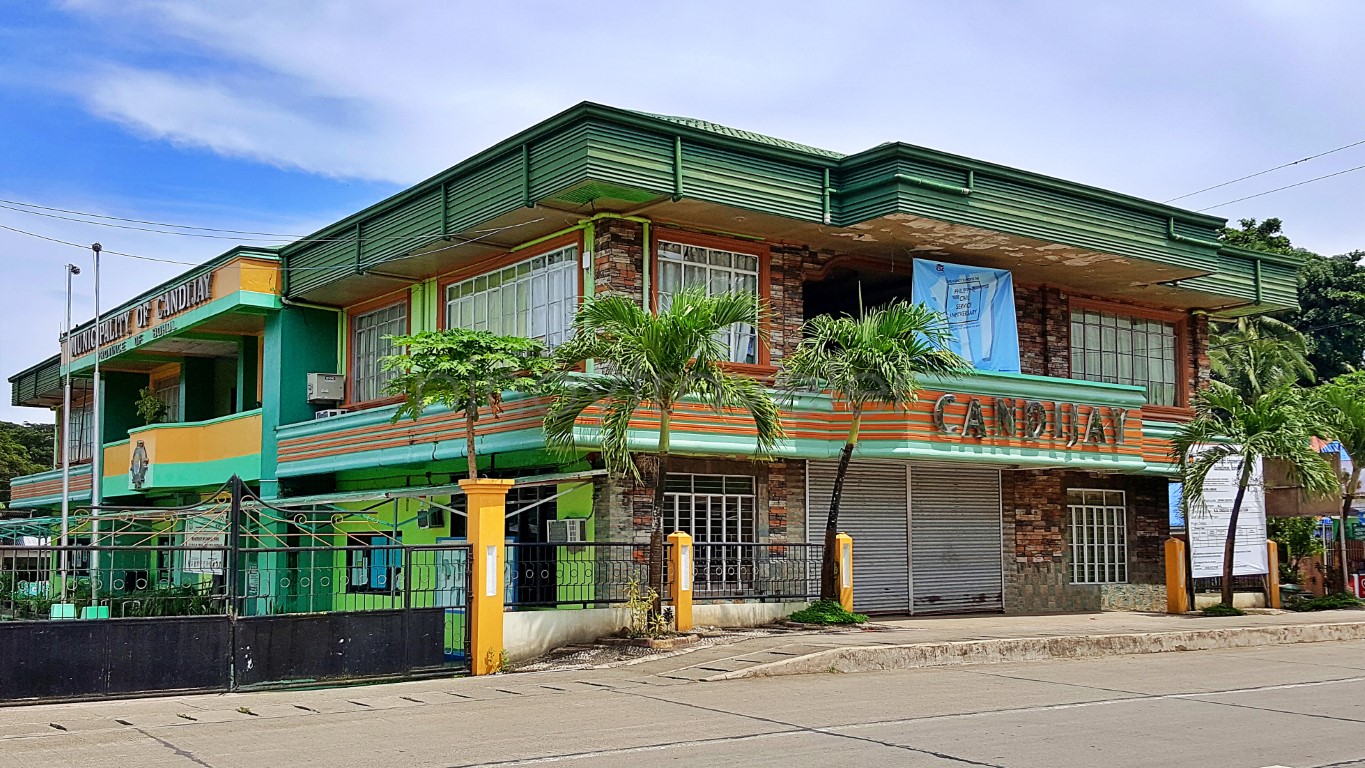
1295,706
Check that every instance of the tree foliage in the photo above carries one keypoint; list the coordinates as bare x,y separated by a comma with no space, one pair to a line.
25,449
1254,355
463,370
1266,235
1276,425
1332,311
871,359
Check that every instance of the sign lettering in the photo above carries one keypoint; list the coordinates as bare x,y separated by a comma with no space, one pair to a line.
116,328
1073,423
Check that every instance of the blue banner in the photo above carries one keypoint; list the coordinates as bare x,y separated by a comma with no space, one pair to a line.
979,304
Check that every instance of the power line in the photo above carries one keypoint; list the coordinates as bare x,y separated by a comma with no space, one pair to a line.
483,234
144,221
1287,186
1268,170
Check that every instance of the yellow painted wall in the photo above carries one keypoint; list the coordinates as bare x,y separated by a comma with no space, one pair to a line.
195,442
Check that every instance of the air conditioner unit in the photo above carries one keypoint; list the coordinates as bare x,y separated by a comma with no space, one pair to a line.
571,531
326,387
328,413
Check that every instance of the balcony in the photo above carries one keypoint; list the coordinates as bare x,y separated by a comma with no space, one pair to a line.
1007,419
195,454
45,488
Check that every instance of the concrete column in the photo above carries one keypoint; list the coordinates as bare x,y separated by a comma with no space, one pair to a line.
1177,590
680,590
487,531
844,542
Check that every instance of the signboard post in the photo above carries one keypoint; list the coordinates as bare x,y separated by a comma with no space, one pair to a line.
1208,523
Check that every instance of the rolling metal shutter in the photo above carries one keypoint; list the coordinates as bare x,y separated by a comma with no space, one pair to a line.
955,539
872,511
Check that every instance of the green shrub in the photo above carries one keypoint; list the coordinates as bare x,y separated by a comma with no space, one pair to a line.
1326,603
827,612
1223,609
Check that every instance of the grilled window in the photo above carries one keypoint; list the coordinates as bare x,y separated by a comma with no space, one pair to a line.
370,345
718,512
683,267
1119,349
535,298
1099,536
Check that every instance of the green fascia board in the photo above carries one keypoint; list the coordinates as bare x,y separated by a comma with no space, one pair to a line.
237,301
590,143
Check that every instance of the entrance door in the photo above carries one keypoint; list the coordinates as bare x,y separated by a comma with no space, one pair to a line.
872,511
955,539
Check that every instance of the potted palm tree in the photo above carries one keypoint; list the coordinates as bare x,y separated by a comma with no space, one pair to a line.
870,360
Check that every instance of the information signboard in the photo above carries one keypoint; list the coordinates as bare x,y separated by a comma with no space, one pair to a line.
1208,522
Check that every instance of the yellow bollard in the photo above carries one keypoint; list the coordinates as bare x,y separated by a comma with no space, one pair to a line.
1272,577
487,526
1177,592
844,542
680,590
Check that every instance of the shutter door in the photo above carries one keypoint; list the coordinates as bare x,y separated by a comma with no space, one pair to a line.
872,511
955,539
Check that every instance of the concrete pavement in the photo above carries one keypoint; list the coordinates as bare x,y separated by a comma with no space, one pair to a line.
1296,706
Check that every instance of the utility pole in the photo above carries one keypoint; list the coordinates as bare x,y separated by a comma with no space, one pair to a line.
67,358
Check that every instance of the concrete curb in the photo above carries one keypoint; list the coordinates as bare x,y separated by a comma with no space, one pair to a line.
886,657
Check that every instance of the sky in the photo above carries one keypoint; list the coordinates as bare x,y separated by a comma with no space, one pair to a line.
282,117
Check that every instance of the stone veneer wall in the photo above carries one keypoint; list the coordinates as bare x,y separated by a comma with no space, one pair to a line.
618,251
1037,577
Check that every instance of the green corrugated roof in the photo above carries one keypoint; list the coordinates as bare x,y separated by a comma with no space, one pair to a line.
725,130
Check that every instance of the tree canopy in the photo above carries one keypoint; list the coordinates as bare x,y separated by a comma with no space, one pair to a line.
24,450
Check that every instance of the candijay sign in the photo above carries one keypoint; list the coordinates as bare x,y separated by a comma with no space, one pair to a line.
1071,424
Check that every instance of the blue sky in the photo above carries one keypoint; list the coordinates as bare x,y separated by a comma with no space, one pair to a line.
285,116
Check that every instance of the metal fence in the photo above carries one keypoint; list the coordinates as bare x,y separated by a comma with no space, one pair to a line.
1254,583
764,572
588,574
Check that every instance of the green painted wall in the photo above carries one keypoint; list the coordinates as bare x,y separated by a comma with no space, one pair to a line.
197,379
119,409
247,370
298,341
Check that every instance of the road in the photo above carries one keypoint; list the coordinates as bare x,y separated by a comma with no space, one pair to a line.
1298,706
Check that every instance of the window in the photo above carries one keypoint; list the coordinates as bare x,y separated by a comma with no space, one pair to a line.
683,267
369,346
167,390
373,564
80,441
1119,349
718,512
535,298
1099,536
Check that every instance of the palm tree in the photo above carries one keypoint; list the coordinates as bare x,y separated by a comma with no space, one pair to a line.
1338,408
873,359
651,362
1257,354
464,370
1226,426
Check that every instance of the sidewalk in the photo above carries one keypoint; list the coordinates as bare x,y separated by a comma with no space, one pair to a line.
913,642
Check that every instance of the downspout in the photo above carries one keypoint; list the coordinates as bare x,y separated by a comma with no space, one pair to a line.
1174,236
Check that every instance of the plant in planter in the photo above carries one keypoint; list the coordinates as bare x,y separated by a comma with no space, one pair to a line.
149,407
827,612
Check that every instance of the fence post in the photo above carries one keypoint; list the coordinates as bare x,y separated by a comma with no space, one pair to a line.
487,526
231,582
680,590
1272,577
1177,578
845,544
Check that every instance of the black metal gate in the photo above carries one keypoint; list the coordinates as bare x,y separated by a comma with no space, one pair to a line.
173,600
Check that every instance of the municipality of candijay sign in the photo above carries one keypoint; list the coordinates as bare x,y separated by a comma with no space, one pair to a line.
187,295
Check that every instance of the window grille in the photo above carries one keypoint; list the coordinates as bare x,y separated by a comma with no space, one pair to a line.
683,267
1119,349
1099,536
715,509
369,346
535,298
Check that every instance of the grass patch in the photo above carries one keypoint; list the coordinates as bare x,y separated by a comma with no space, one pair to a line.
1326,603
1222,609
827,612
